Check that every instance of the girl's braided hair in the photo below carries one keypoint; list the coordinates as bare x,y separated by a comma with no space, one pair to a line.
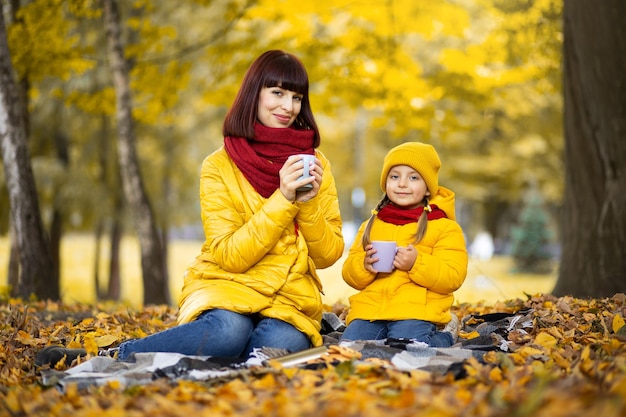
422,222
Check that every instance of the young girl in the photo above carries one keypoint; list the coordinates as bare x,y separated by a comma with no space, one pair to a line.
430,263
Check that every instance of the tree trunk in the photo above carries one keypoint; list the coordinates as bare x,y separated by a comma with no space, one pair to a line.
96,259
35,260
167,191
13,269
56,226
115,281
593,262
56,233
103,158
155,285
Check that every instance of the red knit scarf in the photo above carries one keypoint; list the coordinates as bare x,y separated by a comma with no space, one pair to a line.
399,216
261,158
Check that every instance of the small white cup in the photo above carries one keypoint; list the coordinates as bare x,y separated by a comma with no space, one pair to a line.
307,160
385,252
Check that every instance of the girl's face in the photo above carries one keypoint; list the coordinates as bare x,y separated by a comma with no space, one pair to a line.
405,187
278,107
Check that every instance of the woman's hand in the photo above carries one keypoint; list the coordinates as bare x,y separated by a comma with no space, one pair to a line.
290,173
405,258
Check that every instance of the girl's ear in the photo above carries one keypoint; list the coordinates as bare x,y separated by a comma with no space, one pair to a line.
427,193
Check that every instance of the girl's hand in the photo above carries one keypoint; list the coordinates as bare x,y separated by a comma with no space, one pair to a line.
370,259
289,175
405,258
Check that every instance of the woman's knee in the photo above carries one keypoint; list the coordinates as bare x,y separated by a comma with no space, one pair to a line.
278,334
229,329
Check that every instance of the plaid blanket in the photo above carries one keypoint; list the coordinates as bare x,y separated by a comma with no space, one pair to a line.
402,354
144,368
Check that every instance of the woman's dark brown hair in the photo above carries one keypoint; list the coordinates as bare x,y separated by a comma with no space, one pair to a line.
274,68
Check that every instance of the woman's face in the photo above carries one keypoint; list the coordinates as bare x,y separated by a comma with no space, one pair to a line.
278,107
405,187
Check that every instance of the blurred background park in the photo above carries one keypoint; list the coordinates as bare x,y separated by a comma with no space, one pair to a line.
478,79
488,280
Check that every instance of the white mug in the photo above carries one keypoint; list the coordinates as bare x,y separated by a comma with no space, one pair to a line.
307,160
385,252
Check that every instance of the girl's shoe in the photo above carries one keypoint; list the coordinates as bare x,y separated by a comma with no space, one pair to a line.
453,327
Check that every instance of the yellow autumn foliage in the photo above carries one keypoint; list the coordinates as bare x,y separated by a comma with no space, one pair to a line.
477,79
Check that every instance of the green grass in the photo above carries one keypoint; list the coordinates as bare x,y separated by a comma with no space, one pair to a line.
488,281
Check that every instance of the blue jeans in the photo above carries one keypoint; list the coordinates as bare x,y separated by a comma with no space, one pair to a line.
220,333
419,330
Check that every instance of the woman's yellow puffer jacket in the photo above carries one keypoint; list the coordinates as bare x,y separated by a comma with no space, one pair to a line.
260,254
424,292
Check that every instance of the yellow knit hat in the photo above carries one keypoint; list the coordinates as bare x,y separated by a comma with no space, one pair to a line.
421,157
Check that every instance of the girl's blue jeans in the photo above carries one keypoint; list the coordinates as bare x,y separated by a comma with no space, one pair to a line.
220,333
419,330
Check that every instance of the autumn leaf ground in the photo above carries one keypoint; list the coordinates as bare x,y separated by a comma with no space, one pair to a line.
573,363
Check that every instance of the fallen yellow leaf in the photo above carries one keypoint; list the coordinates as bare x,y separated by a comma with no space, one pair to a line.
75,343
107,340
585,353
618,323
472,335
90,344
560,360
495,375
527,351
87,322
25,338
545,340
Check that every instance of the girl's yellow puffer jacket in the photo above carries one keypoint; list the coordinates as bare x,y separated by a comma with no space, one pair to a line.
424,292
260,254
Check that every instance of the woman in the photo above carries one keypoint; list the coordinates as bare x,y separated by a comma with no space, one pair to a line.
254,283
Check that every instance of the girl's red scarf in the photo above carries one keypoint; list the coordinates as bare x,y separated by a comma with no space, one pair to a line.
399,216
261,158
